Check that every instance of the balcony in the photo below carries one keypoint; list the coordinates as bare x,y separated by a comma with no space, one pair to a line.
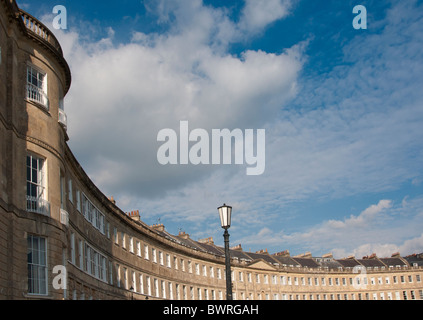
63,119
36,94
37,205
64,217
39,30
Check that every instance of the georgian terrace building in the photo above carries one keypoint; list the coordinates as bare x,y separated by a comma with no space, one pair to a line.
62,238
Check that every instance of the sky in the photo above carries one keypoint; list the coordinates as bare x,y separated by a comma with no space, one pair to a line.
341,107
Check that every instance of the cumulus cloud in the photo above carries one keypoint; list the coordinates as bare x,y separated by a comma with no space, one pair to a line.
366,217
413,245
123,95
353,130
257,14
213,25
359,235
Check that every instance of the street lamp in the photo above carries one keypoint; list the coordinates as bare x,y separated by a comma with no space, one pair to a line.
225,220
132,292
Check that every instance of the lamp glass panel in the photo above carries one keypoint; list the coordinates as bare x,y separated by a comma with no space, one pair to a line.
225,216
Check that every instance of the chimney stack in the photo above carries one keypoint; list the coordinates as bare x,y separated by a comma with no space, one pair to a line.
135,215
208,240
237,247
284,253
158,227
183,235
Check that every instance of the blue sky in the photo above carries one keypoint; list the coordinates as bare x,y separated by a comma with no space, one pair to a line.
341,107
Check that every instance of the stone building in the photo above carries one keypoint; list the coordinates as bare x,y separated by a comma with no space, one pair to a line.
62,238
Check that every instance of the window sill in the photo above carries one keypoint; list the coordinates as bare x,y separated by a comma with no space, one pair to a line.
37,296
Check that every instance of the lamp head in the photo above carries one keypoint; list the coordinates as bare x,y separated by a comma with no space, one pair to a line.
225,216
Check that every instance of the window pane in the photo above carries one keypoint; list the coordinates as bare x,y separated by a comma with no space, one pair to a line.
42,253
34,175
34,163
34,80
37,278
35,251
29,254
43,281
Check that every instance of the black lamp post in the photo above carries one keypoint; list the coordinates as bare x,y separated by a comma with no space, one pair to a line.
225,220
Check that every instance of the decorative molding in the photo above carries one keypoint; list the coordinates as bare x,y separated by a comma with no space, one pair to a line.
45,146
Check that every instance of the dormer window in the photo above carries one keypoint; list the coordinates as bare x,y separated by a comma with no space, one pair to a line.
36,86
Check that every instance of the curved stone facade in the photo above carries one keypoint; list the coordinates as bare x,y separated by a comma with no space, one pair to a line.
62,238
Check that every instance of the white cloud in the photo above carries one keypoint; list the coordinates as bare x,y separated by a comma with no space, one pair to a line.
357,130
381,250
257,14
410,246
359,235
122,96
365,217
414,245
206,24
354,130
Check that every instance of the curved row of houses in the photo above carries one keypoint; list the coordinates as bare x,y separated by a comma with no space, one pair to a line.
62,238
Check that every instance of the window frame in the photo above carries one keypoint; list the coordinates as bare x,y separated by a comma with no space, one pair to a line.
37,203
39,265
34,92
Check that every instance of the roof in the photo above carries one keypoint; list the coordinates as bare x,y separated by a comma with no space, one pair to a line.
415,259
241,255
393,262
288,261
307,262
330,264
371,263
210,248
348,263
264,256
